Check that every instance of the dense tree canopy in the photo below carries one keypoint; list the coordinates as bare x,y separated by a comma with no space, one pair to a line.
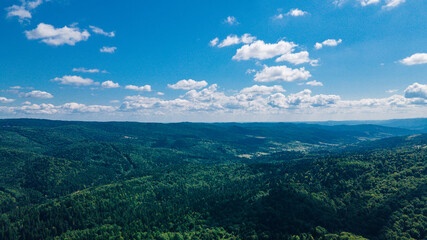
71,180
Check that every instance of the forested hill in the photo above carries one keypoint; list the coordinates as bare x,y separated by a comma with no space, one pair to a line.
238,133
124,180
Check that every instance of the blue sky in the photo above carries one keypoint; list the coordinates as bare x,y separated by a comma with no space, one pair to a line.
209,61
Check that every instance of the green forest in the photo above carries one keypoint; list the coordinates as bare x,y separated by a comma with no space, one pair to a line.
122,180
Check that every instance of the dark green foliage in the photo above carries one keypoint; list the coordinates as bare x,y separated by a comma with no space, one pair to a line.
72,180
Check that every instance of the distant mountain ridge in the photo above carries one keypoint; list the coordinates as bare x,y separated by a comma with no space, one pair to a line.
418,124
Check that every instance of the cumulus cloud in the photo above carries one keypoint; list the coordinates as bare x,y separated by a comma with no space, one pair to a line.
6,100
262,89
417,58
188,84
38,94
234,39
416,90
231,20
381,103
214,42
302,99
258,99
278,16
210,99
23,11
74,80
365,3
83,108
261,51
297,58
136,103
281,73
252,99
390,4
328,42
57,36
296,12
108,49
100,31
110,84
314,83
18,11
66,108
146,88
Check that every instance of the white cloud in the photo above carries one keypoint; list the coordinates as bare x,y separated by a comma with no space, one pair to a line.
365,3
391,91
253,99
85,70
209,99
36,109
234,39
278,16
23,12
16,87
328,42
6,100
57,36
296,12
302,99
108,49
231,20
416,90
82,108
146,88
265,102
188,84
261,51
390,4
281,73
417,58
250,71
38,94
18,11
136,103
110,84
297,58
74,80
378,103
214,42
98,30
49,109
339,3
230,40
160,93
261,89
314,83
